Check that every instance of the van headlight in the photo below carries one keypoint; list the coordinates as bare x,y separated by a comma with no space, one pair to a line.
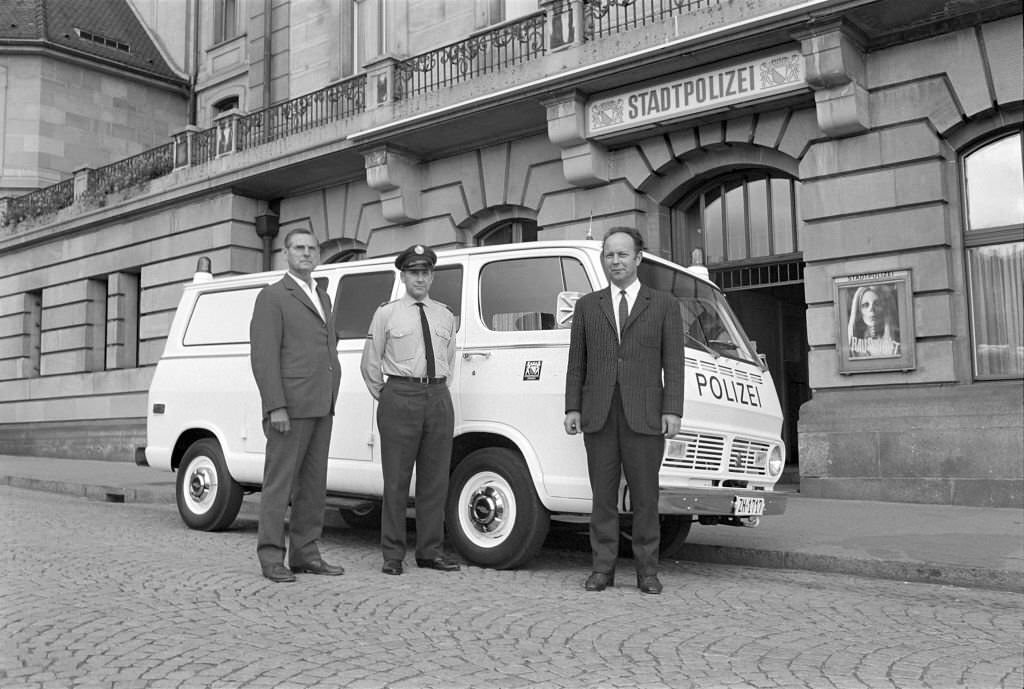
775,461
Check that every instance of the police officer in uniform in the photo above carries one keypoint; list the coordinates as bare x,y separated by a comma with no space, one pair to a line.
407,365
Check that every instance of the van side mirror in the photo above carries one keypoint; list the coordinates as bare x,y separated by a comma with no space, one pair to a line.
565,306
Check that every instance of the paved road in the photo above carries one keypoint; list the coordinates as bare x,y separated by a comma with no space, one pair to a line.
122,595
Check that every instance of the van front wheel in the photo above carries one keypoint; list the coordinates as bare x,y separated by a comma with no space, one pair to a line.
494,516
208,498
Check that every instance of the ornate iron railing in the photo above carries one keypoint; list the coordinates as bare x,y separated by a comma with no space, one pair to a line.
606,17
335,102
482,53
40,202
156,162
204,146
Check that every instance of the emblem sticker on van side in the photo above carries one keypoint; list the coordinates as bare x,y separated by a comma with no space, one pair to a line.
532,370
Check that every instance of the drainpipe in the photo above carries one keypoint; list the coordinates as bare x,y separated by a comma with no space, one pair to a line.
193,106
267,225
268,25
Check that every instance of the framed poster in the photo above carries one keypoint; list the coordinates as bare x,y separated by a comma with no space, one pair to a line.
875,322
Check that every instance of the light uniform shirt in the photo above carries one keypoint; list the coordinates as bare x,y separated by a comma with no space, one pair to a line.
631,294
311,293
394,345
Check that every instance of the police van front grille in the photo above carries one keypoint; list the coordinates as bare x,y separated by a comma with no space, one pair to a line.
746,455
692,451
703,452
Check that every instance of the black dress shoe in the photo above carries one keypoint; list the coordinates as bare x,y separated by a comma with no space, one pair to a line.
599,581
392,567
278,573
440,563
648,584
318,567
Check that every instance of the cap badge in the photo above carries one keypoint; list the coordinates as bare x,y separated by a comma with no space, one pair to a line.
418,249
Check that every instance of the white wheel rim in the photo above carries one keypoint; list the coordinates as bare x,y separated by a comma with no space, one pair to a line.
200,485
487,510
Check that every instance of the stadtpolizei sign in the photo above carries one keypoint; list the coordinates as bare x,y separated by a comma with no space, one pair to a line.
694,93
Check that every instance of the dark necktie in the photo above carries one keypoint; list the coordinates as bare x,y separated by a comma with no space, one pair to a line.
428,345
623,312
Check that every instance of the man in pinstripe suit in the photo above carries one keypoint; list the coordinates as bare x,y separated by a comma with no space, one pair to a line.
624,391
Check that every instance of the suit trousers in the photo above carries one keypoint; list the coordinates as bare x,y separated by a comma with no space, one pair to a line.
611,452
295,471
416,424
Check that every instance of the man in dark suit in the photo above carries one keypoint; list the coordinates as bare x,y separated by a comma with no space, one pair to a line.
625,341
295,363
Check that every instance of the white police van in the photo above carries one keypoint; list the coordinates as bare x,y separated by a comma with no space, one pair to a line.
513,466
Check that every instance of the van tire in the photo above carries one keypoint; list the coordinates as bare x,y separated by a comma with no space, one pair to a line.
364,517
494,516
674,530
208,498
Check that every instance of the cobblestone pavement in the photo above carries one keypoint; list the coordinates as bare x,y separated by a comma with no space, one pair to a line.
101,595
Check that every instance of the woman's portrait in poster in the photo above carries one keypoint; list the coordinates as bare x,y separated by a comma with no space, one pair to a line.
874,326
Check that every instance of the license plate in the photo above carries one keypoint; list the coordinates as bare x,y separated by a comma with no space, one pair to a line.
743,506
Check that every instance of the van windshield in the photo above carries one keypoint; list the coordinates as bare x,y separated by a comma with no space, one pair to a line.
708,322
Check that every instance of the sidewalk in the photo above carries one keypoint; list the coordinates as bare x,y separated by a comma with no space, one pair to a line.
962,546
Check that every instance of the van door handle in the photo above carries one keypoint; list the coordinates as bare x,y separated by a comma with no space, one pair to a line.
470,355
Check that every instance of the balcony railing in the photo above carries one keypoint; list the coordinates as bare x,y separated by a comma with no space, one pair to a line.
336,102
40,202
481,54
156,162
606,17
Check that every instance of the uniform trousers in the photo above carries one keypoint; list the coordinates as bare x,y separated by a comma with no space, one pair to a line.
416,423
295,471
611,452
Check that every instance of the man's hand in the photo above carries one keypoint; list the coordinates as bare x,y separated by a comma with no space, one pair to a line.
572,423
279,420
670,424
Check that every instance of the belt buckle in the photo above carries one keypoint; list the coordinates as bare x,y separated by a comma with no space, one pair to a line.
423,380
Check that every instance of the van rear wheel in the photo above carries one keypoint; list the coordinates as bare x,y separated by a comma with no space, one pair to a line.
494,516
208,498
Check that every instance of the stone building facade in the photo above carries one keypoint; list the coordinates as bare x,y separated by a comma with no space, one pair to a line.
849,171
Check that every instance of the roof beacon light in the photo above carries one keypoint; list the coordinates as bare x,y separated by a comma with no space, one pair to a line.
203,273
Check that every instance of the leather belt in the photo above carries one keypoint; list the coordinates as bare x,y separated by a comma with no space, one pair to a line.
422,380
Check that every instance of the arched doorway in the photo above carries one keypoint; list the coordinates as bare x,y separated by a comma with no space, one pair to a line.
744,226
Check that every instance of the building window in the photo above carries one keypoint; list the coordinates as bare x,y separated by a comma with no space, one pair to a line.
369,35
95,330
744,217
508,232
225,105
122,340
225,20
993,180
104,41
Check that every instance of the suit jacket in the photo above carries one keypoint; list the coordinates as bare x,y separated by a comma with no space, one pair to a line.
294,353
652,344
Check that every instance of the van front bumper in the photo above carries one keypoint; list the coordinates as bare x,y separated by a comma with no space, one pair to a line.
717,501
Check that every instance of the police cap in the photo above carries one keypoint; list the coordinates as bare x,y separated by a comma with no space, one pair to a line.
416,256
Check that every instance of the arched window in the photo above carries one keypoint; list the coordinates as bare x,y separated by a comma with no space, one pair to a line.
739,221
508,232
993,193
342,251
224,105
